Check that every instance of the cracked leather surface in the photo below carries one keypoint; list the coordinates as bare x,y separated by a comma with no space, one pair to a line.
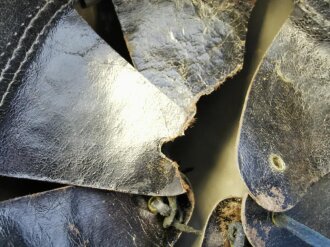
226,212
287,111
84,217
75,112
186,48
312,211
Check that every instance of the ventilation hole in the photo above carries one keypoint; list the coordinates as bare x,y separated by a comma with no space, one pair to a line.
277,162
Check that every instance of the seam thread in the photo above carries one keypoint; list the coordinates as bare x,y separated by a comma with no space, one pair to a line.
20,43
30,51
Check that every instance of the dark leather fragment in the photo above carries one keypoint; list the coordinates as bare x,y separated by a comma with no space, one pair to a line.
73,111
20,23
312,211
226,212
84,217
185,47
285,133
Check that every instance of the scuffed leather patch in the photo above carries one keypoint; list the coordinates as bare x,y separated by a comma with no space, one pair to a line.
185,47
226,212
285,136
84,217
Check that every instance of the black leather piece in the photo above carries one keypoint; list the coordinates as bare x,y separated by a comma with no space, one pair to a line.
226,212
286,119
312,211
84,217
186,48
75,112
20,24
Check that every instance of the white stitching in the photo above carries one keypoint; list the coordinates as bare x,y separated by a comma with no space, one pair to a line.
29,52
19,46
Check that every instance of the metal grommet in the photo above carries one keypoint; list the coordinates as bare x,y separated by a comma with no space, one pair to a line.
277,162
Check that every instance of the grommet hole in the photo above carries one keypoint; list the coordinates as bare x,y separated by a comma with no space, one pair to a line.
277,162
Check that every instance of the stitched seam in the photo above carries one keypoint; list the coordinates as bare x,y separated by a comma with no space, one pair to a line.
24,36
31,50
16,33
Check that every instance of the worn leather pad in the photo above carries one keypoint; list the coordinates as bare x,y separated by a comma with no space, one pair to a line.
73,111
285,136
312,211
84,217
185,47
225,213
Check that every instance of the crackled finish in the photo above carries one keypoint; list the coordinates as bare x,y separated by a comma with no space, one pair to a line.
75,112
225,213
312,211
185,47
287,117
84,217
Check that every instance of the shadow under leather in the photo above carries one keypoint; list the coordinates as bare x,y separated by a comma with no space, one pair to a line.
217,118
197,152
14,187
104,20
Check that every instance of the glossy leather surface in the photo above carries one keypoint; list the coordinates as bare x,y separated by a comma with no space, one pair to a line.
186,48
75,112
84,217
287,112
20,24
312,211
